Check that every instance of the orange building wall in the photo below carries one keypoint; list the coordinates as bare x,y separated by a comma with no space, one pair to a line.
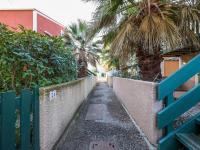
13,18
47,25
170,66
188,57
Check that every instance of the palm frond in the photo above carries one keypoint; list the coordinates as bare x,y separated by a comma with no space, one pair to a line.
76,37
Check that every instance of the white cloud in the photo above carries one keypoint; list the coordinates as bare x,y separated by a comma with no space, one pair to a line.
64,11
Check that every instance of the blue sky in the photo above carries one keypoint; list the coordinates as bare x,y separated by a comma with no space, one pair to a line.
64,11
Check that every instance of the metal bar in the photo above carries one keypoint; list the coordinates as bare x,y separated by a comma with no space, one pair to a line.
25,126
183,104
36,119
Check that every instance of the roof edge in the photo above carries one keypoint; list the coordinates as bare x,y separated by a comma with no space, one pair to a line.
33,9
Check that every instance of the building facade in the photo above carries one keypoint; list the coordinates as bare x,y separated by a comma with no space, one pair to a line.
31,19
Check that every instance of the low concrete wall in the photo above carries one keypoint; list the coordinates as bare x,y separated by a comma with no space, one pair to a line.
57,110
139,97
110,81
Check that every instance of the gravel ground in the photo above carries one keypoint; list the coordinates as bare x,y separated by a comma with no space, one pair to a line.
111,130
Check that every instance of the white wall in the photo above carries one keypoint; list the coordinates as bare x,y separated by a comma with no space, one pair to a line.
56,113
110,81
139,98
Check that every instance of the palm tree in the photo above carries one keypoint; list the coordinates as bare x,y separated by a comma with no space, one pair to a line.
85,48
111,61
146,27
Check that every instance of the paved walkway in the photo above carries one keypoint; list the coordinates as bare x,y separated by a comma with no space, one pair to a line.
102,124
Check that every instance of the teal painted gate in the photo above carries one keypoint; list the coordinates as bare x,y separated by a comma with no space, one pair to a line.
19,120
187,134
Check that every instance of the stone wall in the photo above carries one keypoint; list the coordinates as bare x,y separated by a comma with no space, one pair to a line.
139,98
58,105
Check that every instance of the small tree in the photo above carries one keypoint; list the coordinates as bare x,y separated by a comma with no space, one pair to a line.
85,48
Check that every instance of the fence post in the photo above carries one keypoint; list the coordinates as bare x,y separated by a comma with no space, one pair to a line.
169,100
25,127
7,127
36,119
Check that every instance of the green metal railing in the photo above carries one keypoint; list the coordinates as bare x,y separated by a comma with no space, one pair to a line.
167,87
175,108
19,120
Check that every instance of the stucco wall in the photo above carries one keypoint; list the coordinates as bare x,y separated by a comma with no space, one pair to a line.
13,18
51,27
56,113
139,98
110,81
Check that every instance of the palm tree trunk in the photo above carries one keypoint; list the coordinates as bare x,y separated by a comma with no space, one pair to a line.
149,65
82,71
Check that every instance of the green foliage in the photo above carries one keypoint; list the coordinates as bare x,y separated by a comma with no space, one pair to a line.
28,58
86,49
147,28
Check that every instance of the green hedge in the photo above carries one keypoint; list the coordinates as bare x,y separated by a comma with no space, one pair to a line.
29,58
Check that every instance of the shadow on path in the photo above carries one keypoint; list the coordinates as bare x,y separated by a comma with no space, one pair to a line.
102,124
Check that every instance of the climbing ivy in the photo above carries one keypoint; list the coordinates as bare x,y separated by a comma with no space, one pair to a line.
29,58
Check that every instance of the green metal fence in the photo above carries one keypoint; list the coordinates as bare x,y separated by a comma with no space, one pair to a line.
19,120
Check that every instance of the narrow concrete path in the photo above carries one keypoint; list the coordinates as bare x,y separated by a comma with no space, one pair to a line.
102,124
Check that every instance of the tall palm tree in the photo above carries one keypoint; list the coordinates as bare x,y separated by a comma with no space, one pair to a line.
146,27
85,48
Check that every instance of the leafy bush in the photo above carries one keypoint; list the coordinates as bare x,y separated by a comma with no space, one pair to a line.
29,58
